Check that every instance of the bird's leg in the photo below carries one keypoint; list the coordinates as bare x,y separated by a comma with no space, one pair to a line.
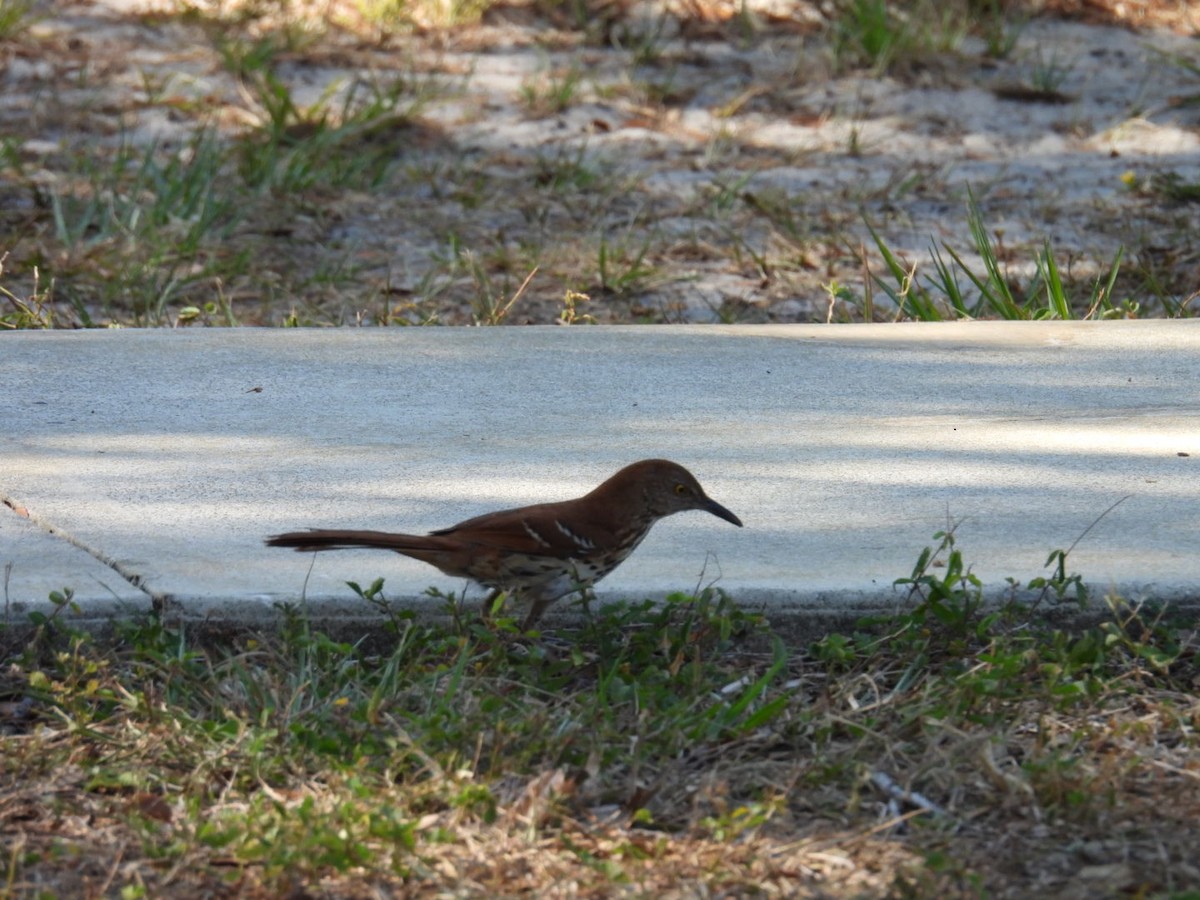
536,609
586,596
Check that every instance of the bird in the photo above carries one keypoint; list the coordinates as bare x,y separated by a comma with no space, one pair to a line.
541,553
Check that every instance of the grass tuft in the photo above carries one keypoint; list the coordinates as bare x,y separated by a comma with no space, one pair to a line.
991,291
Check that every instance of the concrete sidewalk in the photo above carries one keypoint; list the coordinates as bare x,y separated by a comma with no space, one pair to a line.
142,466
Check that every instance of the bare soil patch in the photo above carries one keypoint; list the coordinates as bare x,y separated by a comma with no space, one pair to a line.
267,164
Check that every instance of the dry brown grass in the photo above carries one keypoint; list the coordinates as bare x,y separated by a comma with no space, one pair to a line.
643,756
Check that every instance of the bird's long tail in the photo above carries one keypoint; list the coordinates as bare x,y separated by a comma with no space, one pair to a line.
335,539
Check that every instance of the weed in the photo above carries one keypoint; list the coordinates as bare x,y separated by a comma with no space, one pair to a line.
15,17
647,43
156,216
551,94
489,307
942,296
1189,64
1172,187
53,627
784,215
882,35
1049,73
334,143
866,31
839,293
570,315
621,268
568,169
999,29
34,311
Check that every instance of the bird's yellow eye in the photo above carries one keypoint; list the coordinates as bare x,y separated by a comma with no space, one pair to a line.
681,489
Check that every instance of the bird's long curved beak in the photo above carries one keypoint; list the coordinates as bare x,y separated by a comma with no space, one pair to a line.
721,512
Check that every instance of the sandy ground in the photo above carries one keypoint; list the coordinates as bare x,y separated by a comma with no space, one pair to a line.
685,176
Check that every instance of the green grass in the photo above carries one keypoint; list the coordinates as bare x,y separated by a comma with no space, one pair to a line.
157,217
883,36
552,92
677,746
1049,72
15,17
990,291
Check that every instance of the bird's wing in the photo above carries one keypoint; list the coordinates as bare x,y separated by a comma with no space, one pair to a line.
542,530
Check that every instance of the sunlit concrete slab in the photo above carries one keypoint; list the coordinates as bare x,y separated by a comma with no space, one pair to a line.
172,454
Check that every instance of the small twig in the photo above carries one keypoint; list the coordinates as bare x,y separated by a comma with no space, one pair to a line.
887,784
502,313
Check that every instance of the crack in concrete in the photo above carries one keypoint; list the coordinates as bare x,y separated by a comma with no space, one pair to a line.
159,600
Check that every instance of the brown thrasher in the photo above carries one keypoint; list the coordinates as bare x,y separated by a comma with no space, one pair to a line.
543,552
